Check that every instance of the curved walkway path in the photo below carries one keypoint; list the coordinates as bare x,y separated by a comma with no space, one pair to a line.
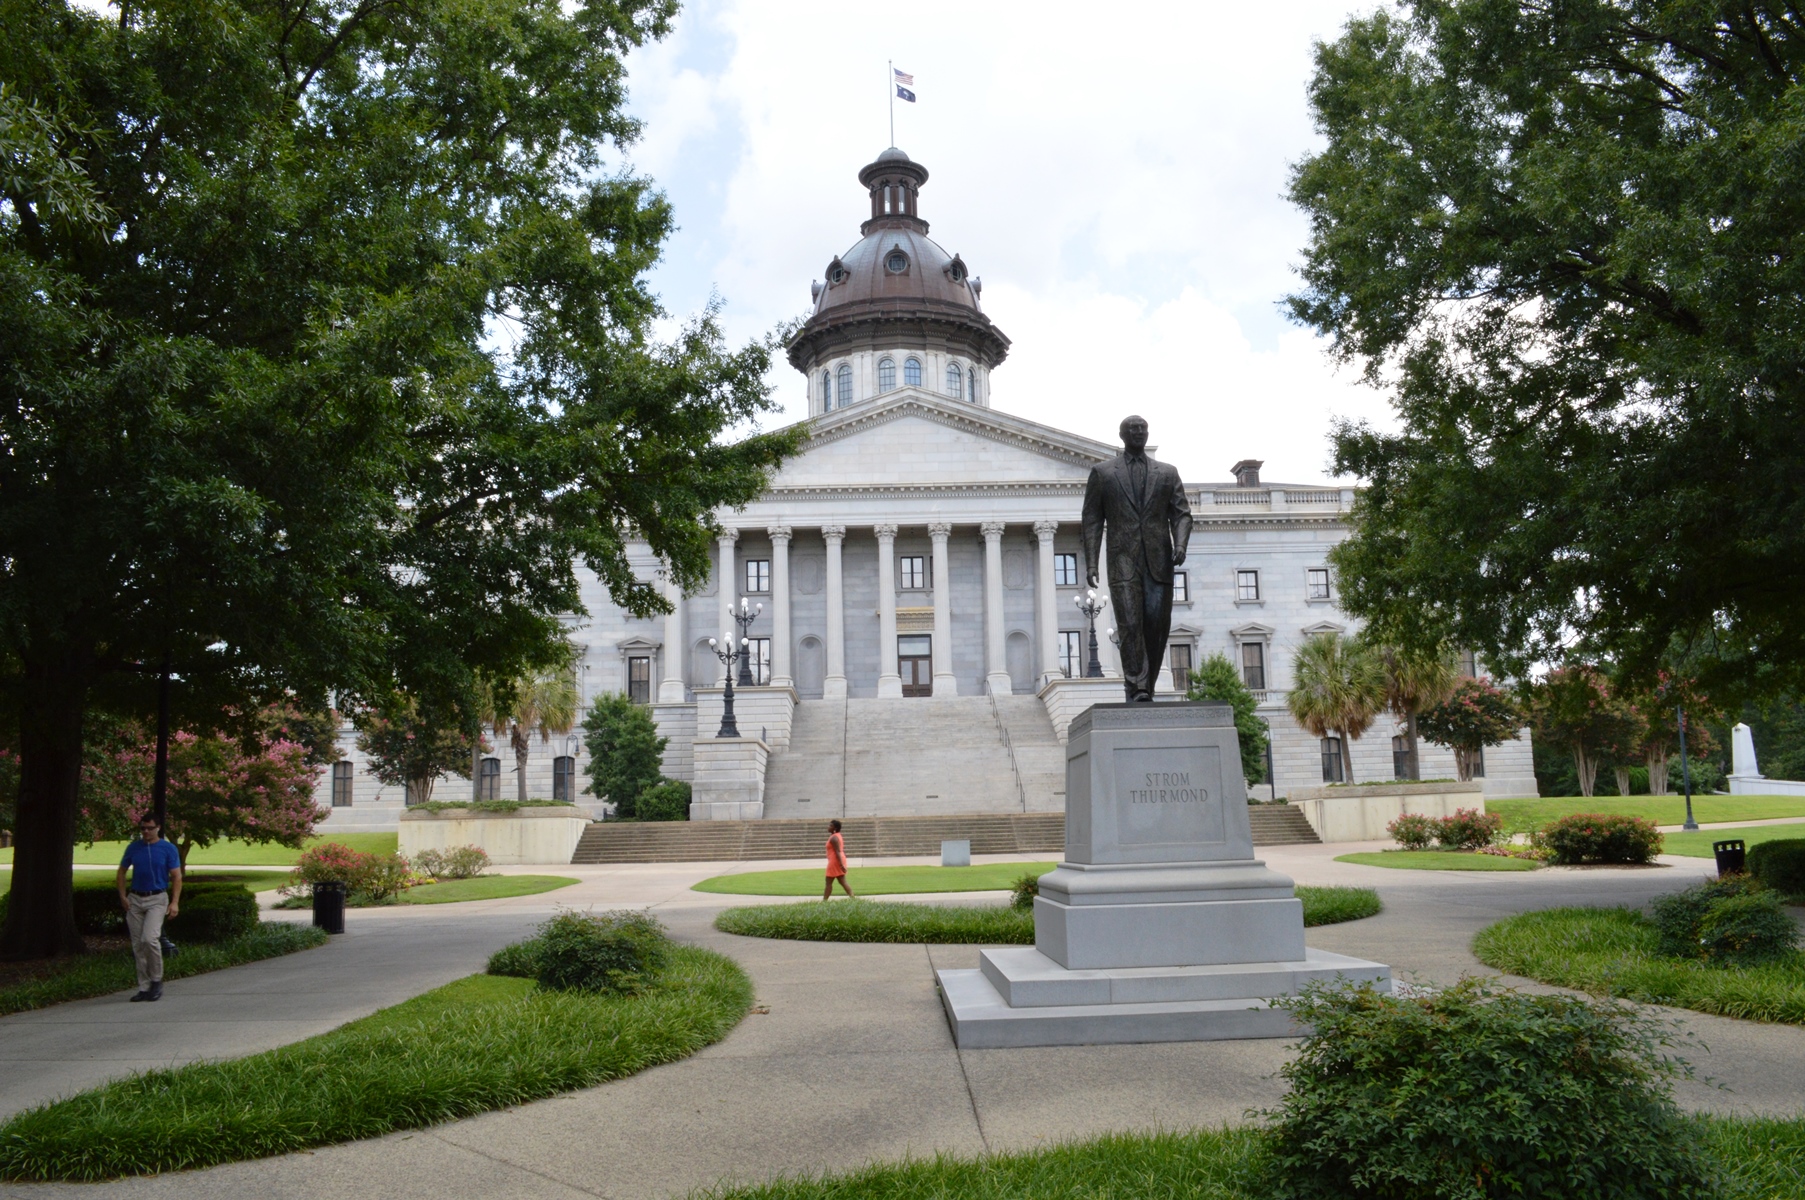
852,1063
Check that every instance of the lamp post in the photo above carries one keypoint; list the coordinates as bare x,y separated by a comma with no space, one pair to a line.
729,727
743,616
1685,769
1090,605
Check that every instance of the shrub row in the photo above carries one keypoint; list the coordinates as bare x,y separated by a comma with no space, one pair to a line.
211,910
459,862
1780,865
1467,829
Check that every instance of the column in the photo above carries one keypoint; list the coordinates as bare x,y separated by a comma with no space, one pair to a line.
996,676
889,683
1047,600
834,686
728,590
670,688
780,606
945,682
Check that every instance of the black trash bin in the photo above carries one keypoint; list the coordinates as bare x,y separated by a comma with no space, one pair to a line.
1731,856
329,906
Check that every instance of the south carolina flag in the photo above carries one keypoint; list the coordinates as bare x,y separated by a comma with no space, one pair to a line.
902,92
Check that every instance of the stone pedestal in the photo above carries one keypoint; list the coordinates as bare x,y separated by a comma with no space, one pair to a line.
730,779
1160,925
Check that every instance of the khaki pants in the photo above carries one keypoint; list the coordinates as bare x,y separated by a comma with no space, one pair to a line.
144,919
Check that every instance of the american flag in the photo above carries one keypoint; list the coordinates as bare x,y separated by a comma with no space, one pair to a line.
904,77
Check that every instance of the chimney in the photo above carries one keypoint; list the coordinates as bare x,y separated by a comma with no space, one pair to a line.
1247,472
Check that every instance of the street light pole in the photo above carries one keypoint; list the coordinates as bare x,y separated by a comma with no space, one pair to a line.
159,788
1685,770
743,616
729,727
1090,605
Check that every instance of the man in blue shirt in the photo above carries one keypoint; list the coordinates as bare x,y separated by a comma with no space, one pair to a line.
156,867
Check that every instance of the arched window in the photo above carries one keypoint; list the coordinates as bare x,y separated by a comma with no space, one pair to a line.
827,390
971,385
886,374
953,384
912,372
845,375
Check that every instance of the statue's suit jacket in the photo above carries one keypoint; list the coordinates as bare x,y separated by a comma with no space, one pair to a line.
1143,529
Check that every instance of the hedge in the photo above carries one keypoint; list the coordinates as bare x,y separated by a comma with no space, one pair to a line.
1780,865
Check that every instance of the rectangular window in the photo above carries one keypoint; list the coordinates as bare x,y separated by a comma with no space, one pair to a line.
1179,658
1331,760
1247,585
1478,761
913,572
639,679
1253,665
1071,652
1181,587
1316,583
1065,570
564,778
1469,664
758,575
341,784
488,781
1400,758
759,651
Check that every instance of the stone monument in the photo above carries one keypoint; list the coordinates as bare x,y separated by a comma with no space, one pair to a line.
1160,925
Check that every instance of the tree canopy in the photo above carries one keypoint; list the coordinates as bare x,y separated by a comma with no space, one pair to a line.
1216,679
1571,238
329,356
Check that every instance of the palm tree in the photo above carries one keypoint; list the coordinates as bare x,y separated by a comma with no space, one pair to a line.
545,704
1413,682
1337,687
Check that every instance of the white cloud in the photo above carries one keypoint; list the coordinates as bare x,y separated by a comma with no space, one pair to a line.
1115,177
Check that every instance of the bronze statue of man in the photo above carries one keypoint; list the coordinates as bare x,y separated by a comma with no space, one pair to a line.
1141,504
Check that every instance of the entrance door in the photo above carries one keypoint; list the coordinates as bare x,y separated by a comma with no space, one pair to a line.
915,663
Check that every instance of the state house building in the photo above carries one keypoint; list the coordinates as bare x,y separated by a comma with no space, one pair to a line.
918,649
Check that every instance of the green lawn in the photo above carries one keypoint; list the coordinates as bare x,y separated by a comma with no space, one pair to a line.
1611,951
484,887
1698,845
878,881
1662,810
234,854
1758,1160
257,881
969,925
479,1044
98,974
1437,860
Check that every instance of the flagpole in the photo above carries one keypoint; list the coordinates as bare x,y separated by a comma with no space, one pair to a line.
890,83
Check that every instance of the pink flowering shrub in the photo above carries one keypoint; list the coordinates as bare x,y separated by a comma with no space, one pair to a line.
1468,829
1413,831
1600,838
368,878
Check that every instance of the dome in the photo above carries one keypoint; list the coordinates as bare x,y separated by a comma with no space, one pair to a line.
896,281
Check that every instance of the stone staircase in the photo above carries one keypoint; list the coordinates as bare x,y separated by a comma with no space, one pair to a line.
1280,825
866,837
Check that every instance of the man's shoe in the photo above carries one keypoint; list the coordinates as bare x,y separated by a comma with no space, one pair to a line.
156,991
137,996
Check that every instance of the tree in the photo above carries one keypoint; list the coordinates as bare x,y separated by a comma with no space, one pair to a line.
1571,237
326,366
1337,687
1573,708
1476,714
409,745
1414,681
1216,679
626,755
544,703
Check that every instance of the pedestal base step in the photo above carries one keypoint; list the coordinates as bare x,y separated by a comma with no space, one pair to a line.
1057,1007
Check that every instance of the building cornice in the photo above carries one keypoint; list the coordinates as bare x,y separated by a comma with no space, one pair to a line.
987,423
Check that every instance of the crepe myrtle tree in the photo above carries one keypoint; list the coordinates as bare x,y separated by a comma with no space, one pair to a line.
327,365
1569,241
1477,713
409,745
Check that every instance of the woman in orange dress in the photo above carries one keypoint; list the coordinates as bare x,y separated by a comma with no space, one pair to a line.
836,862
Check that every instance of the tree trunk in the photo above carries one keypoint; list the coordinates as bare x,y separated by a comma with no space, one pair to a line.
1416,766
1463,764
521,749
40,917
1347,758
1657,772
1587,768
1623,781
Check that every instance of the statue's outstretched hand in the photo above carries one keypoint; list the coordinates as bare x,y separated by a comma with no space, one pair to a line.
1178,558
1091,579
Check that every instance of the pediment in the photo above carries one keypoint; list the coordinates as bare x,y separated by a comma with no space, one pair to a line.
916,439
1323,627
1252,632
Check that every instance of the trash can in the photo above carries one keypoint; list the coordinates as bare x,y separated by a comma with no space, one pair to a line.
329,906
1731,856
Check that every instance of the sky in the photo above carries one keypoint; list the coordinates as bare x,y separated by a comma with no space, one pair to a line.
1114,175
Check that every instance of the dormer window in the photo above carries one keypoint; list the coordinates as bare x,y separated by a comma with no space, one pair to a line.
836,272
897,262
956,271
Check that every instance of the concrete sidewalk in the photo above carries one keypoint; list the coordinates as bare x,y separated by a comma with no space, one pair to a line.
853,1062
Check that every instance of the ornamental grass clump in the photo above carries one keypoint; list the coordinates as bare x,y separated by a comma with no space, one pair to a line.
1600,838
1476,1092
